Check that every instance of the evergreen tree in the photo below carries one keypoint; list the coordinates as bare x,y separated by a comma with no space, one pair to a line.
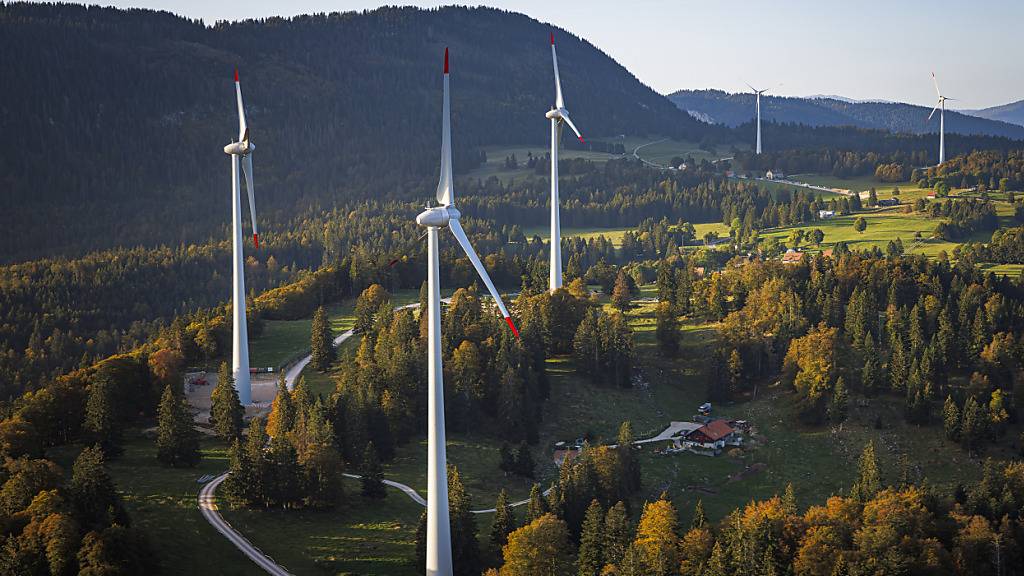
92,492
869,480
256,480
504,520
616,534
629,466
177,442
589,560
226,409
872,370
321,341
523,462
951,419
789,500
621,295
972,425
237,485
700,520
666,329
102,420
656,538
837,406
735,373
372,474
282,411
537,506
465,549
421,543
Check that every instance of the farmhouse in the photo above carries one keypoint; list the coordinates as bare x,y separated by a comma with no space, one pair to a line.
889,202
775,175
792,257
826,214
711,438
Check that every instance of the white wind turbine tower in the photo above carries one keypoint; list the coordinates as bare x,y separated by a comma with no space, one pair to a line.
758,93
941,107
241,153
558,116
439,539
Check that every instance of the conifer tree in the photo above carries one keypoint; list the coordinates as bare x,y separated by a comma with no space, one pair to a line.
656,538
465,549
92,492
616,533
951,419
620,293
321,343
237,484
629,466
226,409
789,500
666,329
504,520
589,559
839,402
257,478
177,442
537,506
421,543
372,474
700,520
869,480
102,421
718,564
282,411
872,370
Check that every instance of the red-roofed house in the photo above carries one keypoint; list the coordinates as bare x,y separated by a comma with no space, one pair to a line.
713,437
792,257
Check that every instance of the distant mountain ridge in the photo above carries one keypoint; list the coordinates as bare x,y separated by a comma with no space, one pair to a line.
1012,113
736,109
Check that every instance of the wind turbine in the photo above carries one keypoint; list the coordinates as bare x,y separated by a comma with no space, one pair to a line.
439,538
941,107
241,153
758,93
558,116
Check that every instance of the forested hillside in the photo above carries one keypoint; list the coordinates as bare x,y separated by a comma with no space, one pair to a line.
735,109
114,121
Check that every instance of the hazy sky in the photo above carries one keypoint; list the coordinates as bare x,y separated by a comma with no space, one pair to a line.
864,49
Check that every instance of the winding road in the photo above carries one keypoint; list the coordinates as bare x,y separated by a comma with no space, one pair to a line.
208,497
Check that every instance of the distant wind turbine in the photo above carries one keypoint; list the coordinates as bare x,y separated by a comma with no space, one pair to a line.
240,152
941,107
439,540
558,116
758,100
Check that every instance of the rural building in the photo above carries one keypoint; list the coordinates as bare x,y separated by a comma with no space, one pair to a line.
889,202
774,175
711,438
826,214
827,253
792,257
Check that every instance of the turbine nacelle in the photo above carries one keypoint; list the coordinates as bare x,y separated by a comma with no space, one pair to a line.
438,216
239,148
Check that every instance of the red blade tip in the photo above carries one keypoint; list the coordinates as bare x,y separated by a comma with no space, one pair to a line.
393,262
552,38
508,319
581,139
236,74
446,60
256,240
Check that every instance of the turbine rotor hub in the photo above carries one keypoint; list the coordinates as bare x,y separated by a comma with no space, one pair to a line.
239,148
437,216
554,114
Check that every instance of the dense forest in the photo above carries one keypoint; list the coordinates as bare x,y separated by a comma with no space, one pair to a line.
341,106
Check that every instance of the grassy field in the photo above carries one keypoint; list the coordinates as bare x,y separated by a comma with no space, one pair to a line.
283,340
656,149
1014,270
613,234
163,502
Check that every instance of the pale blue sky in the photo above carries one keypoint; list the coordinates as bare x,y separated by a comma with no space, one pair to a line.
865,49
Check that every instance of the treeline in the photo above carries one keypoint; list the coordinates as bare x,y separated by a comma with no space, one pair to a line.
587,499
894,166
374,74
922,330
878,527
1005,247
988,170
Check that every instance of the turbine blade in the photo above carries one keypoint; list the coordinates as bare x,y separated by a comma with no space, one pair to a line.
565,116
243,128
936,82
558,82
460,235
445,194
247,169
933,111
751,87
